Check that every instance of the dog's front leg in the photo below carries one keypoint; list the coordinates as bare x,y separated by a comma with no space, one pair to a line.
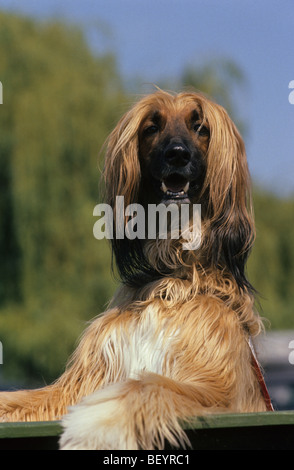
131,415
84,374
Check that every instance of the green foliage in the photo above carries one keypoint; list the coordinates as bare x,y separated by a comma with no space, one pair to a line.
60,102
271,265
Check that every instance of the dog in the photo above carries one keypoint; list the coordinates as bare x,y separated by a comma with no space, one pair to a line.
175,342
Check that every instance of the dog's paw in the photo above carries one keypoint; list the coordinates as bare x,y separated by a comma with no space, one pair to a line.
98,423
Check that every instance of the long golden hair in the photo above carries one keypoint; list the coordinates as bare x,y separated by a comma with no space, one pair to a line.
228,224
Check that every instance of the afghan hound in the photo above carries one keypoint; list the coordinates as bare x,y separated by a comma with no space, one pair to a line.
175,340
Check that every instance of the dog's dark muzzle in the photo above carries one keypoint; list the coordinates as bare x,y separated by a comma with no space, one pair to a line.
176,173
177,155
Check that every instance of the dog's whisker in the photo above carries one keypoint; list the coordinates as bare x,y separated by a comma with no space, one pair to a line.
163,187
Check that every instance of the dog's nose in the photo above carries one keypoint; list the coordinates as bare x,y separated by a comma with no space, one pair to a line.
177,155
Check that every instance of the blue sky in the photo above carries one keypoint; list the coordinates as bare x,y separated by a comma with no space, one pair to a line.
157,38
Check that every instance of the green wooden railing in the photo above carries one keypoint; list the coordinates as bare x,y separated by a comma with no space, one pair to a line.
252,431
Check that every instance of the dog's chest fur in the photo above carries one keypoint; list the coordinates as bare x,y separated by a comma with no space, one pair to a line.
138,344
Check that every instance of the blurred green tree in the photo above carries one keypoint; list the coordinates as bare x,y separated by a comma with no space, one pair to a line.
60,103
271,264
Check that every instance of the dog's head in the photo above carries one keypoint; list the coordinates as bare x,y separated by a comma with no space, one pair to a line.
173,144
182,149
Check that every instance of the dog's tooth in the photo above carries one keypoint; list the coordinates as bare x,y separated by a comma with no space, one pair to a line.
186,188
163,187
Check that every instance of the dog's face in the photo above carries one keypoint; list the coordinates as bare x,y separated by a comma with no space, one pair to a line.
173,142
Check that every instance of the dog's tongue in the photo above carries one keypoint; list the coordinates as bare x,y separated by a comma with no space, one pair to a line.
175,183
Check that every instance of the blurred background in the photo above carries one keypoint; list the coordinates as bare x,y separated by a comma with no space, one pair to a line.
69,69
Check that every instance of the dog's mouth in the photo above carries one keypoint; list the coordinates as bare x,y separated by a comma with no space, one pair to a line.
175,188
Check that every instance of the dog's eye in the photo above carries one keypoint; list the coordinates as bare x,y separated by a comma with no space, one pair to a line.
200,129
150,130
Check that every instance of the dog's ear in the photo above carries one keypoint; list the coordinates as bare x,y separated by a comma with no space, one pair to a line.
122,168
228,191
122,175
